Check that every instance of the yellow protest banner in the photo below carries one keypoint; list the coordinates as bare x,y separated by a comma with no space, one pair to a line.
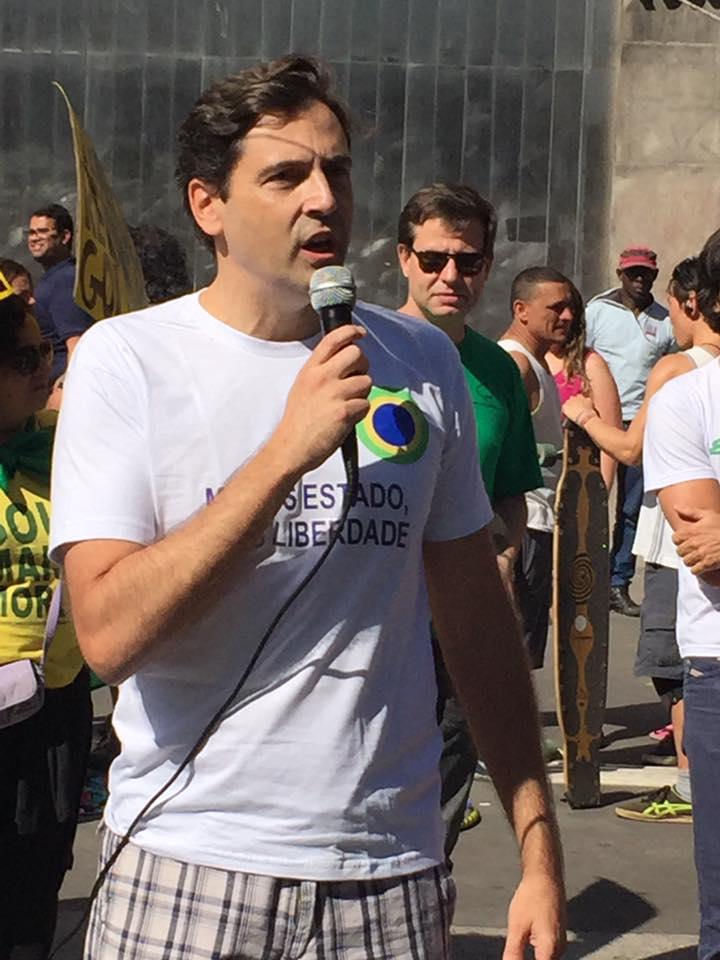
109,278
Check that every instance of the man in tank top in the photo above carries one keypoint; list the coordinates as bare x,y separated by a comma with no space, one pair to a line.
541,310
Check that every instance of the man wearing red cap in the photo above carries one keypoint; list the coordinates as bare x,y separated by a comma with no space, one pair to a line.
631,331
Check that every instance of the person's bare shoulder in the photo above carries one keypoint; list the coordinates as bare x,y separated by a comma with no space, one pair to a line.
522,361
667,368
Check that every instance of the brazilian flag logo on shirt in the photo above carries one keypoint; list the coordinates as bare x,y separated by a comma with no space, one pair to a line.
395,428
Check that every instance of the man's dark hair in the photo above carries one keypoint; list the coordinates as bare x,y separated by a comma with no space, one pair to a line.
12,317
11,269
163,263
58,213
708,291
210,139
526,282
457,205
685,279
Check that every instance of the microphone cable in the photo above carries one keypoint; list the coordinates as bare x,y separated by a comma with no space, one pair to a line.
350,461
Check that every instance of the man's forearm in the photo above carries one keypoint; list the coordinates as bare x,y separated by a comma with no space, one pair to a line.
504,721
129,607
513,512
622,445
483,652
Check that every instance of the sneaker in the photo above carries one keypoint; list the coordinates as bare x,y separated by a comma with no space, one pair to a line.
664,805
471,819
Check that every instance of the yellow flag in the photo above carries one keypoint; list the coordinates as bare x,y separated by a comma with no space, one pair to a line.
6,289
109,278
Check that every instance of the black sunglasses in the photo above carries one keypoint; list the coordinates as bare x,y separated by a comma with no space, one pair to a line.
434,261
27,360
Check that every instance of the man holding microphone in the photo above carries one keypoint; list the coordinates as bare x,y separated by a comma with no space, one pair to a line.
198,481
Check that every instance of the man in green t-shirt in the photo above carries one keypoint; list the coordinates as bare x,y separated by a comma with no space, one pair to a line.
446,238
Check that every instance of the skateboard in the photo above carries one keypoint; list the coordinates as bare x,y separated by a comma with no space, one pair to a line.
581,617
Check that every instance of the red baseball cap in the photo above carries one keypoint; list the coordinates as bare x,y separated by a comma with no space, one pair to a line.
638,257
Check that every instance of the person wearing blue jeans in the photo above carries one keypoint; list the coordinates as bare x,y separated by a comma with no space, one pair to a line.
631,331
682,464
629,501
702,745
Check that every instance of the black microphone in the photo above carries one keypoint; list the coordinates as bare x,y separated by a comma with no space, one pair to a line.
332,295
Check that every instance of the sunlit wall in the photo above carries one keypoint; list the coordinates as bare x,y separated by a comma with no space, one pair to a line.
512,97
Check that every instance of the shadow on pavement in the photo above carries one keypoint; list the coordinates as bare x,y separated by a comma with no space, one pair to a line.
606,906
625,745
608,798
597,916
634,719
69,914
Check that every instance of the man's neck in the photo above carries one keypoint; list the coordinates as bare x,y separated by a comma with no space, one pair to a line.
54,260
703,336
633,305
453,326
538,348
259,310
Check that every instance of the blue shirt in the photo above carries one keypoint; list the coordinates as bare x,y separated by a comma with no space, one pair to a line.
60,318
631,345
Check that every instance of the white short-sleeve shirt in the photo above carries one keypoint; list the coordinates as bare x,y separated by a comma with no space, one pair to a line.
682,443
327,766
631,345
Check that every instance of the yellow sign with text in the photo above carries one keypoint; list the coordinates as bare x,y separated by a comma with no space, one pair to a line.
109,278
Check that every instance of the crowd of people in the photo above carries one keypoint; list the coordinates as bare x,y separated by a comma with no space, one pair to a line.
259,610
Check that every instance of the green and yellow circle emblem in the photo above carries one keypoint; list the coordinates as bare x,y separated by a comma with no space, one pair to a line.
395,428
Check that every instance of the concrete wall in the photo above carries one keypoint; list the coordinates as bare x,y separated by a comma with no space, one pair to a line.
512,96
666,170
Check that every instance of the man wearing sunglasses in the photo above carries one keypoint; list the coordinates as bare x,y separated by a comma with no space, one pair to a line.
446,238
62,322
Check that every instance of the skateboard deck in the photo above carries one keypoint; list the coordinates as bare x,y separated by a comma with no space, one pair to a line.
581,579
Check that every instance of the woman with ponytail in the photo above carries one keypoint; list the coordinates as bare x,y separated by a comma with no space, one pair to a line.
658,656
579,371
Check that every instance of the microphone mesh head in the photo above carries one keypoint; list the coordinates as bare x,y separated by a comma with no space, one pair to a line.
332,287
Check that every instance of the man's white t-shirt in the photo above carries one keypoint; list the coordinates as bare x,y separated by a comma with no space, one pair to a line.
682,443
327,766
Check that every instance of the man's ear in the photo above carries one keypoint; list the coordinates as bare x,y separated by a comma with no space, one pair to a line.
404,253
519,309
619,273
691,306
66,238
205,205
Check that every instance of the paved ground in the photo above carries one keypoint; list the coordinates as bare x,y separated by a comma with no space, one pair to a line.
631,885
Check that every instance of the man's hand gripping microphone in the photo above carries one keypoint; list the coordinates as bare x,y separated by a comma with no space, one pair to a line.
332,295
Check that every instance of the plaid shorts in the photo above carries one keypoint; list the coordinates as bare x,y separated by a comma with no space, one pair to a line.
155,908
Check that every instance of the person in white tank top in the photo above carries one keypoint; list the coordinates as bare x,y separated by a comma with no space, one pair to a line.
541,306
658,656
